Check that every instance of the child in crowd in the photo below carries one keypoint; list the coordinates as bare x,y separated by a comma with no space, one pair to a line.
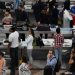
24,67
2,64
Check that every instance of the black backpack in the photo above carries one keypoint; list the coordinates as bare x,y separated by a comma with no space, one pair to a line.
57,66
39,42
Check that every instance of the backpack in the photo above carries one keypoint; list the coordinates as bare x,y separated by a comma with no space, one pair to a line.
48,70
57,66
39,42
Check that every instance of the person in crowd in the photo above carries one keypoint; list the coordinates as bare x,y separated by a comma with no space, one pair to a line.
29,43
72,61
67,18
21,14
54,16
51,62
13,49
37,8
24,67
44,17
7,19
58,43
51,4
2,64
67,4
21,18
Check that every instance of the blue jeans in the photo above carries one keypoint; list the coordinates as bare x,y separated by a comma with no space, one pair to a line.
58,54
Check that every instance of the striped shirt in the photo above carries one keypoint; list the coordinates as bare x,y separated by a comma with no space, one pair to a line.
58,39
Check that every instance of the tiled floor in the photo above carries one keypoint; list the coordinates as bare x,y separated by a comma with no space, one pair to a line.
37,72
40,72
38,68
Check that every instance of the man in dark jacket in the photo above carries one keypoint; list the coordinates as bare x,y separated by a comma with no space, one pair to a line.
54,16
37,8
20,14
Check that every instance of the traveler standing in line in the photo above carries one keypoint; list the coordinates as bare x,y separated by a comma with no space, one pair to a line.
7,20
29,43
21,15
13,47
58,43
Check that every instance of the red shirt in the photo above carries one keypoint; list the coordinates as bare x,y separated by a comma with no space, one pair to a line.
58,39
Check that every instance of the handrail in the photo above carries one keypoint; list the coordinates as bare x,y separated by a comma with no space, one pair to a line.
37,33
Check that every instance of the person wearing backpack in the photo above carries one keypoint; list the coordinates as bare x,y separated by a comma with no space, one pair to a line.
51,62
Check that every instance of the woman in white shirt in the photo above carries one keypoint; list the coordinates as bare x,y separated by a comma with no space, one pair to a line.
29,43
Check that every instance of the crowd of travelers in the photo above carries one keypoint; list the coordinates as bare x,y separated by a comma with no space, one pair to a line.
54,57
45,14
